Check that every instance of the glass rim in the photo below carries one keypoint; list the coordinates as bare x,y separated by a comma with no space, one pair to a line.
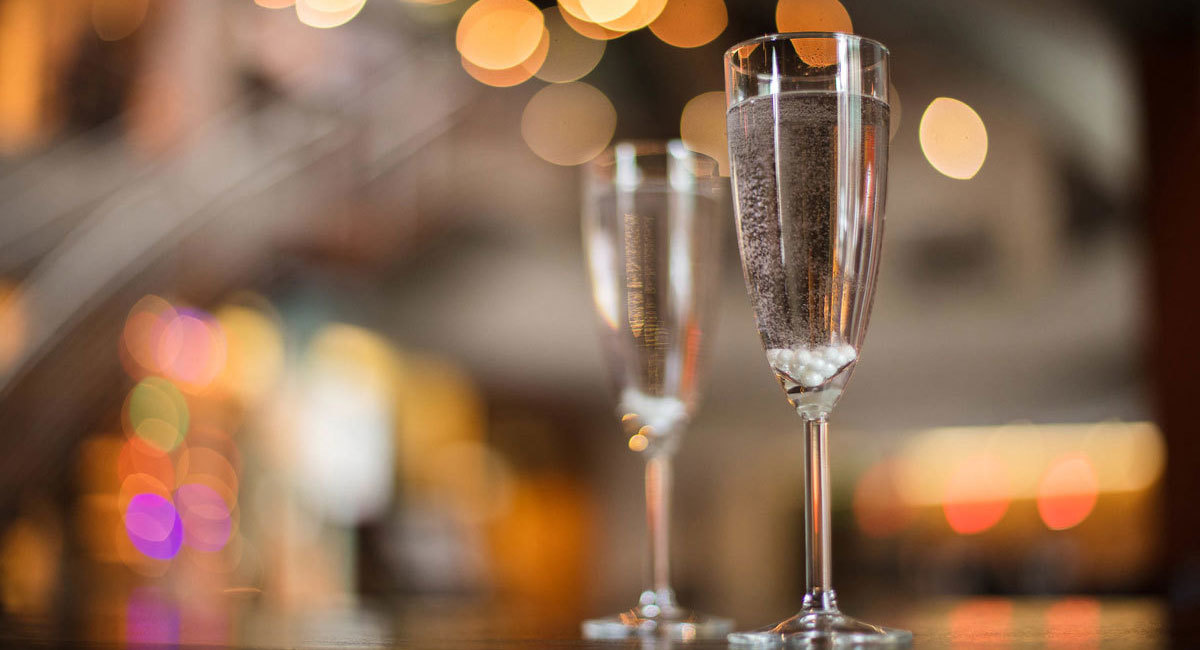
649,147
770,38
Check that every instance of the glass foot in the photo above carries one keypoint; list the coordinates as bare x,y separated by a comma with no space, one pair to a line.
649,621
823,629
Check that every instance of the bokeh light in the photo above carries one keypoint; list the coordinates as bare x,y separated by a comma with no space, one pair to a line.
953,138
642,14
568,124
602,11
207,524
514,75
1068,492
571,54
345,423
585,27
30,563
879,509
690,23
191,350
253,351
702,127
977,495
274,4
208,466
154,526
136,484
813,16
116,19
14,324
142,336
499,34
638,442
156,412
141,457
325,14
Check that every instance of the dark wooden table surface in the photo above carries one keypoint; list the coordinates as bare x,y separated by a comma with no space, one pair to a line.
1067,622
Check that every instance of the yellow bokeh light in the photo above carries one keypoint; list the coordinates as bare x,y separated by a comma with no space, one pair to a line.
702,127
602,11
23,65
310,12
14,324
690,23
642,14
638,442
588,28
953,138
275,4
514,75
571,55
568,124
116,19
813,16
253,351
333,6
499,34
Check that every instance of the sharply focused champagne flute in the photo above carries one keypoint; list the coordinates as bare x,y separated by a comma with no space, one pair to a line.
808,142
652,218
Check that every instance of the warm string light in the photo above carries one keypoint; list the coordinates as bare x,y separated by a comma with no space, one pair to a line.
568,124
981,471
953,138
691,23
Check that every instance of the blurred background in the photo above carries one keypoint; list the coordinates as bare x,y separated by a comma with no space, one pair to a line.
294,316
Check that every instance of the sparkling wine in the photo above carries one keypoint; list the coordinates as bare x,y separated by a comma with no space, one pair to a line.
652,257
810,224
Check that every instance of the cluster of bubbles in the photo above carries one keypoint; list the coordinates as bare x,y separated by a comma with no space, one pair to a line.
811,366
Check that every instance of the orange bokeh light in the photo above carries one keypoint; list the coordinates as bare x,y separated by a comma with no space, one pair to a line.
499,34
813,16
136,484
140,340
514,75
140,457
690,23
642,14
977,495
586,27
1068,492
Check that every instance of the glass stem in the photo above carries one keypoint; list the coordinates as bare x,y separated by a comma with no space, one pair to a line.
819,593
658,592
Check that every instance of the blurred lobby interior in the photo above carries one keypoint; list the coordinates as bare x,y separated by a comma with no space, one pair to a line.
306,279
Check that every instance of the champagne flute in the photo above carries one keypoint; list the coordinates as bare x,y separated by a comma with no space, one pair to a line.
652,219
808,141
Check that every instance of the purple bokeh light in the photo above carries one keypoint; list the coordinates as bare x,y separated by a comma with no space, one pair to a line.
206,519
154,526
